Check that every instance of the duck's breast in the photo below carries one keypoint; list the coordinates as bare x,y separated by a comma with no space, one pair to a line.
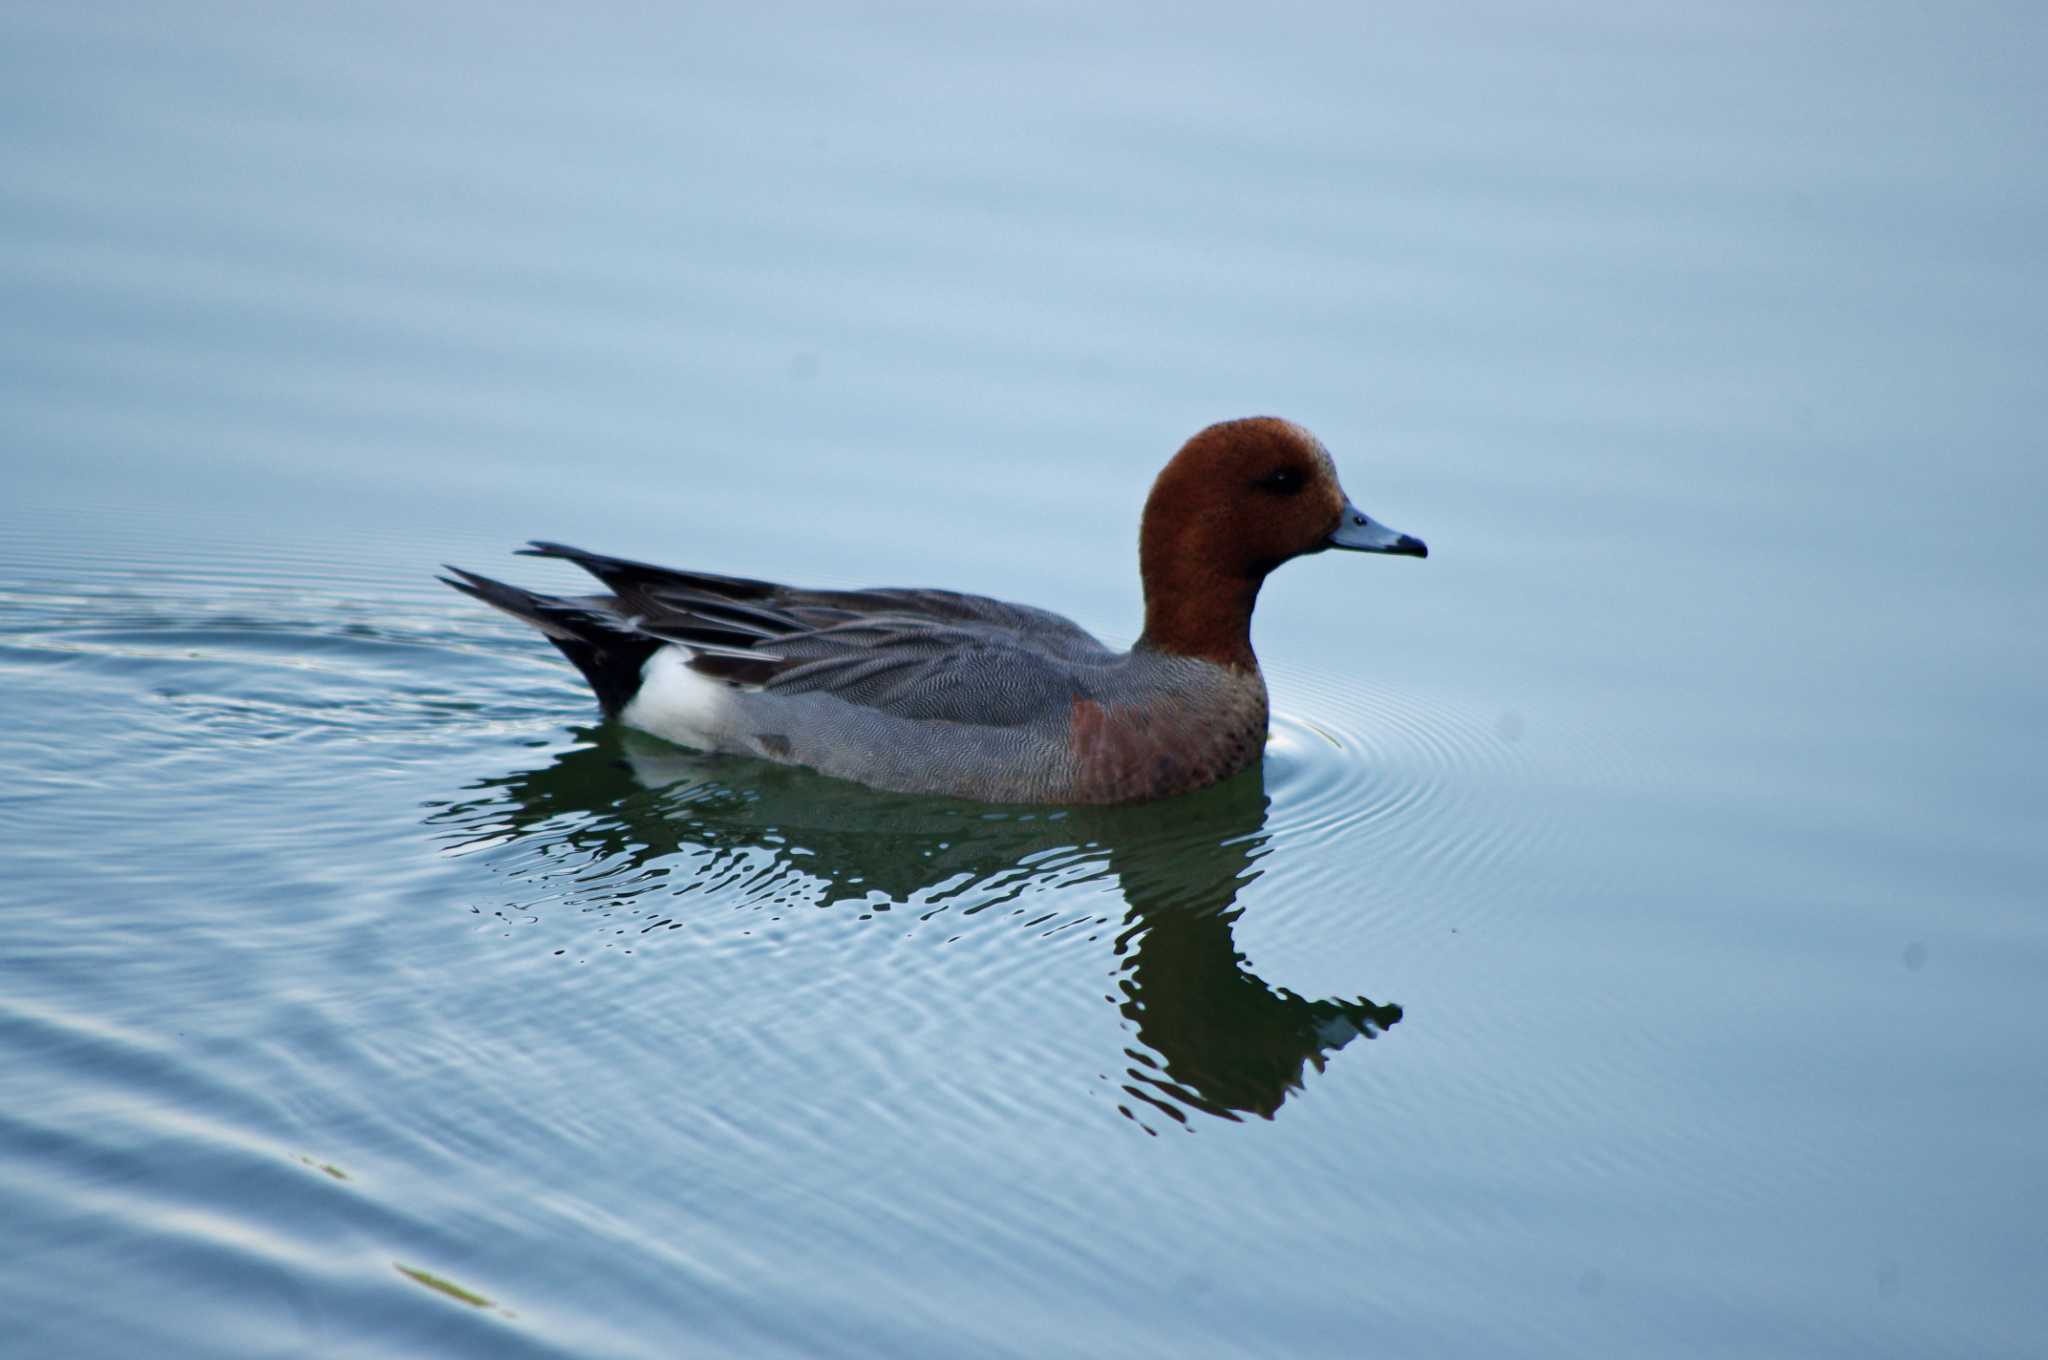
1173,725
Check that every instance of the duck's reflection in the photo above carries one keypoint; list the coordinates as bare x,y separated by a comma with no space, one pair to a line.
1210,1035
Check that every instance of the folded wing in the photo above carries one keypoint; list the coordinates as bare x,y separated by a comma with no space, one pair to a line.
919,654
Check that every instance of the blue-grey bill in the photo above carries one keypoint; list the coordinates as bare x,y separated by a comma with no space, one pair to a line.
1360,532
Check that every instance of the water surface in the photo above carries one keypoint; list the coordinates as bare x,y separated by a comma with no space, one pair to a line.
1632,941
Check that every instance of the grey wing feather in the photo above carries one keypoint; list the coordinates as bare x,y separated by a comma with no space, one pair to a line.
946,673
920,654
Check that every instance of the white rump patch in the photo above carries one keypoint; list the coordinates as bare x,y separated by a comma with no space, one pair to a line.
677,704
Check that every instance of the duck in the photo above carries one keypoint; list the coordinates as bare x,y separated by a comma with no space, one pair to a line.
926,691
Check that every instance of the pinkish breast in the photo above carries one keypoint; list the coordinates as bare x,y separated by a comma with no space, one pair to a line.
1124,753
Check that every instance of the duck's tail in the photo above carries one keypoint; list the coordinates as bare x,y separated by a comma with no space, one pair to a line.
607,647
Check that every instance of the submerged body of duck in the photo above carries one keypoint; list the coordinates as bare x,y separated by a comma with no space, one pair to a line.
929,691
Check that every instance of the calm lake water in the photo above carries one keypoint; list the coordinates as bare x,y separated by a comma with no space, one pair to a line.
1633,946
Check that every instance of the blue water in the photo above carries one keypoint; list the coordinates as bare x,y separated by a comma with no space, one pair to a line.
1632,945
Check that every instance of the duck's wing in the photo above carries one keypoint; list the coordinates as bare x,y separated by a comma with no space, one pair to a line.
744,608
919,654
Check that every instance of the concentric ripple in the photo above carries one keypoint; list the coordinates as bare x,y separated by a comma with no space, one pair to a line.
1361,774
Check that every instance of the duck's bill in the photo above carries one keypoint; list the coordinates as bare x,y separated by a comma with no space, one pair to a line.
1360,532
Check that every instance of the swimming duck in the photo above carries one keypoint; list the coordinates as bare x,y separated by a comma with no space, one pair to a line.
930,691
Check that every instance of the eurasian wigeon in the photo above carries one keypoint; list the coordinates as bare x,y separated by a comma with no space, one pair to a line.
929,691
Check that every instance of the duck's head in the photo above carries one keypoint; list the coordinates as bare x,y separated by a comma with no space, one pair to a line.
1239,499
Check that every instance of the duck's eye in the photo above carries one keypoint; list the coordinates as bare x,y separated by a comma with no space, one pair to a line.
1285,482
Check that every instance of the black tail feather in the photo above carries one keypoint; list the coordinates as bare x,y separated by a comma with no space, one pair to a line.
607,649
626,576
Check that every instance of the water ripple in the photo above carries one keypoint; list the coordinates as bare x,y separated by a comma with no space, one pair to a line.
1363,774
616,846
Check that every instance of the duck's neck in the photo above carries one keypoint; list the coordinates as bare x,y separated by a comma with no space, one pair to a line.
1193,609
